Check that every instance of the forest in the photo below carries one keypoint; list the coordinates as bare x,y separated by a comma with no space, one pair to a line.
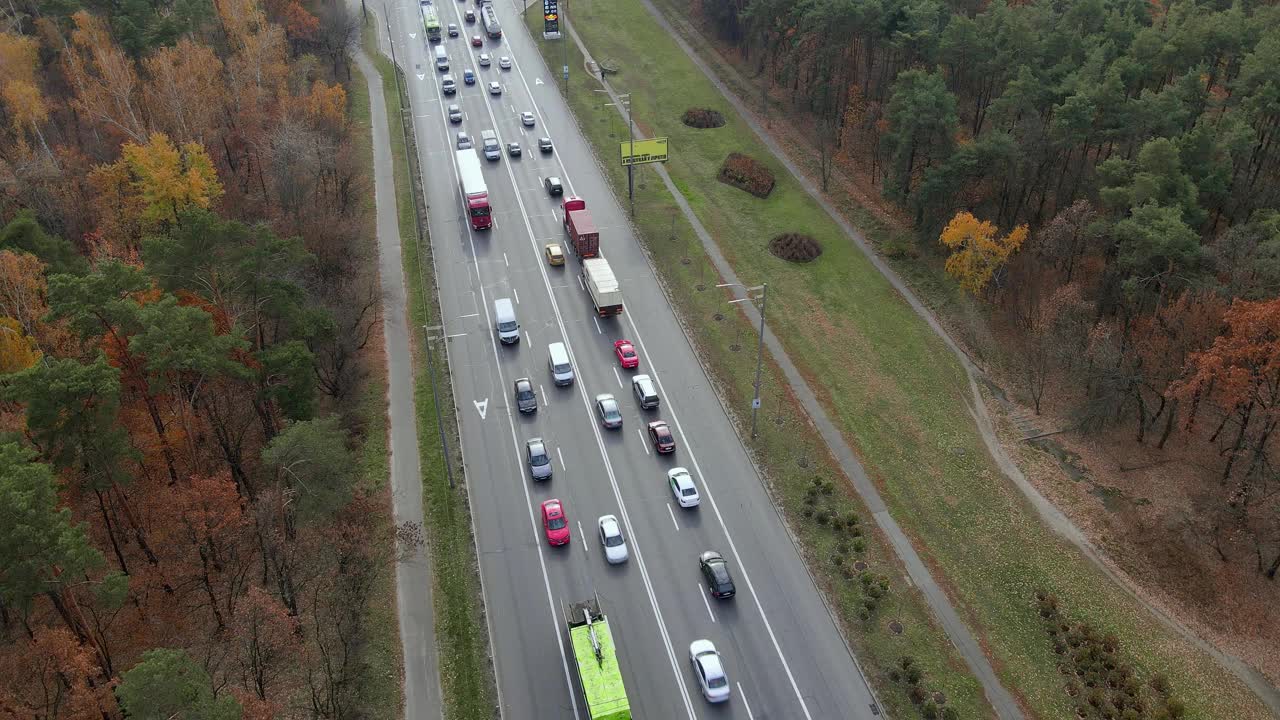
186,316
1103,176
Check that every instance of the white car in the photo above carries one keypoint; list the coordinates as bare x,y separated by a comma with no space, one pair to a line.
615,546
682,487
710,671
526,119
495,88
504,62
483,60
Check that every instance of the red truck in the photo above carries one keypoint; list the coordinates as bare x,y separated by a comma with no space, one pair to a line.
474,192
583,234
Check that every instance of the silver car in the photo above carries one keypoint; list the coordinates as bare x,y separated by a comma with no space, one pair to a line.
526,119
615,546
464,141
539,461
495,88
710,671
504,62
483,60
610,415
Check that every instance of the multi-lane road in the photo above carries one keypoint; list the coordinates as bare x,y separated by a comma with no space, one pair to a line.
784,656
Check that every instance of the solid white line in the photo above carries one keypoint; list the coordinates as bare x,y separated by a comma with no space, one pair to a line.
546,401
617,377
456,335
643,443
561,455
584,287
706,604
582,535
673,517
596,320
516,292
745,704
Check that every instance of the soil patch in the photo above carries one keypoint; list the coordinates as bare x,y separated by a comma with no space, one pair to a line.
795,247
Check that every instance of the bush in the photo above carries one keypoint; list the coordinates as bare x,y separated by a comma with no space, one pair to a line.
702,118
795,248
917,694
745,173
807,512
950,713
859,545
822,517
851,519
930,710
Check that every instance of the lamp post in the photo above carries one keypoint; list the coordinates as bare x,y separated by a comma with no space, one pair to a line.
631,136
435,396
764,299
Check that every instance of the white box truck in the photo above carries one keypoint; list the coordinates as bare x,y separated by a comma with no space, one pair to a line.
602,285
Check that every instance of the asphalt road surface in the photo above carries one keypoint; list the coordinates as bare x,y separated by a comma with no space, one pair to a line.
783,654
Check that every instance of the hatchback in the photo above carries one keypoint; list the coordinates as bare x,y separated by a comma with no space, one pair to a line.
553,186
526,398
660,435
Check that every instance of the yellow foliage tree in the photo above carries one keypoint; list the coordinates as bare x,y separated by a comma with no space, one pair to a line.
163,180
327,105
976,252
19,88
17,351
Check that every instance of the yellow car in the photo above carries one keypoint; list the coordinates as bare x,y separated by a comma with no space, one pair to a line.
555,256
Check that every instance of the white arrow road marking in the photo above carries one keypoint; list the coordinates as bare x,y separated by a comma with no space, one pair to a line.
413,36
421,76
537,81
482,406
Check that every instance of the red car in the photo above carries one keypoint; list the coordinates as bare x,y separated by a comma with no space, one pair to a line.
661,437
626,353
555,523
476,41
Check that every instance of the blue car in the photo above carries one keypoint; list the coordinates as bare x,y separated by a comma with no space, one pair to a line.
468,77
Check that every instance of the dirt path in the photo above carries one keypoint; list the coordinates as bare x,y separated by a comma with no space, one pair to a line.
689,36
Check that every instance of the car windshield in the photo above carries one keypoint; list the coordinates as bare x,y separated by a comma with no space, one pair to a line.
539,458
556,523
611,411
525,394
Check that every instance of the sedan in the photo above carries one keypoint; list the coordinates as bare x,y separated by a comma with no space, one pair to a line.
555,256
526,119
715,571
610,415
615,546
682,487
464,141
455,114
484,60
660,435
710,671
504,62
476,41
513,149
495,88
453,30
539,461
626,353
553,186
544,144
555,523
526,398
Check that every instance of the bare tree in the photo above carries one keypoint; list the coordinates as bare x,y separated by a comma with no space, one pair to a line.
339,33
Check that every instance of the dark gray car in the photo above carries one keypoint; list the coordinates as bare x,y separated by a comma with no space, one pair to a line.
526,398
610,415
553,186
539,461
455,114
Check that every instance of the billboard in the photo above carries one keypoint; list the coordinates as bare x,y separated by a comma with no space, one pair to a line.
644,151
551,17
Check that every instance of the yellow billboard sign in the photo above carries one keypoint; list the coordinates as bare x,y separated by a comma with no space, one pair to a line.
640,152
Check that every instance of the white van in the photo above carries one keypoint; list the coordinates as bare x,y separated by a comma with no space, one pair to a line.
558,362
504,321
442,60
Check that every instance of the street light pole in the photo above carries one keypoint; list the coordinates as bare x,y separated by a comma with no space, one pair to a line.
435,396
631,132
764,300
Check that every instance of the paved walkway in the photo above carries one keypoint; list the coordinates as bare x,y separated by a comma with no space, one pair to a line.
414,607
1005,706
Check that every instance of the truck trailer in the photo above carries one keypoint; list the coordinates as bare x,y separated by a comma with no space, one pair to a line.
475,194
583,235
602,285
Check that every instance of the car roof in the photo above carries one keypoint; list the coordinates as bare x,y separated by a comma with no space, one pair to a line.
610,525
551,507
711,662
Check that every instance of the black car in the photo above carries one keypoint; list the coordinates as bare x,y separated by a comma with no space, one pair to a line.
526,398
553,186
715,570
544,144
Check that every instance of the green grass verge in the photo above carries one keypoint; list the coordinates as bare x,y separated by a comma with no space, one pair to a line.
466,675
892,387
380,692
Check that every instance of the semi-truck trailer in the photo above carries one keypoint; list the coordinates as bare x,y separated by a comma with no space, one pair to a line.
583,235
475,194
603,287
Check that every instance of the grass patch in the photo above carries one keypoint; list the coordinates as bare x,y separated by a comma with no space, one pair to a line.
892,387
380,693
462,639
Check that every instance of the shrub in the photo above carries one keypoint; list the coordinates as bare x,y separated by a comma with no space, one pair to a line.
745,173
859,545
795,248
702,118
807,512
929,711
851,519
823,516
917,694
950,713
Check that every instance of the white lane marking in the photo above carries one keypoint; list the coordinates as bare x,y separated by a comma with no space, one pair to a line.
527,341
561,456
596,320
584,288
745,704
456,335
702,594
552,607
546,401
482,406
643,443
584,538
617,377
516,292
469,316
673,517
505,261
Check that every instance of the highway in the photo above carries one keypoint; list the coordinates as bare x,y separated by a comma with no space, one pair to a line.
783,654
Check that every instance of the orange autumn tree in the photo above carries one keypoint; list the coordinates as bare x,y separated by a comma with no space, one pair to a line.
977,254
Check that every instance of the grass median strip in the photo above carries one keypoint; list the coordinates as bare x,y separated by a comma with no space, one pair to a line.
466,675
891,386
